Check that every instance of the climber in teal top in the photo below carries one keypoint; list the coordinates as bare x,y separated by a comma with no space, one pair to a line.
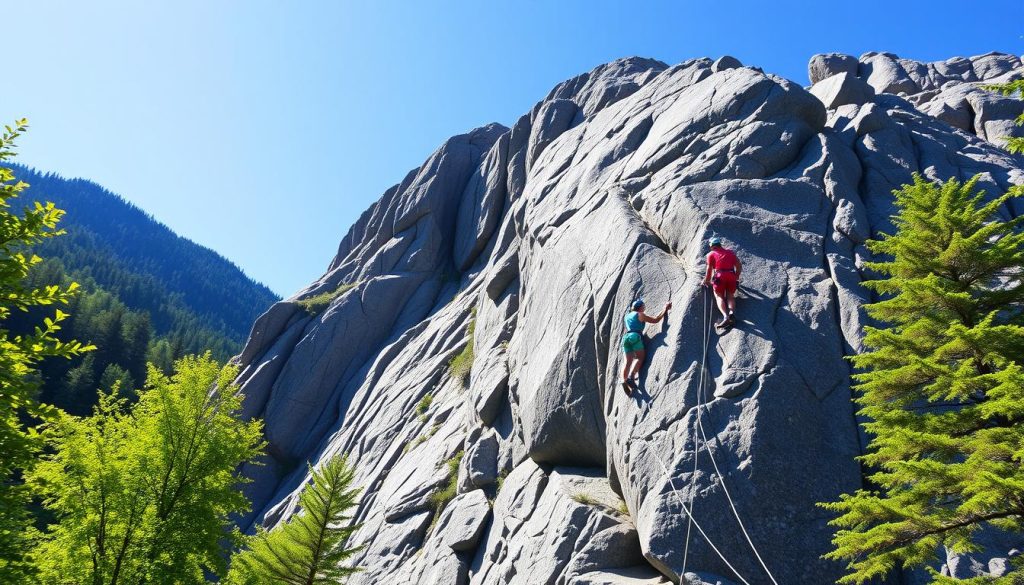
633,342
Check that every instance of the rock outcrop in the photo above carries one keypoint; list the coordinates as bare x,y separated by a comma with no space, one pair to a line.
525,246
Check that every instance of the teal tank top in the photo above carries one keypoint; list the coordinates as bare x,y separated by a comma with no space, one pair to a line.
633,322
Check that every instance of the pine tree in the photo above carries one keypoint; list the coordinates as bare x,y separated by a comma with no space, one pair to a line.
310,548
942,386
20,356
1012,88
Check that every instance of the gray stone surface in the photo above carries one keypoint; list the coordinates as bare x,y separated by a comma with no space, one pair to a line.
480,464
826,65
725,62
887,74
842,89
706,579
640,575
463,520
952,91
607,190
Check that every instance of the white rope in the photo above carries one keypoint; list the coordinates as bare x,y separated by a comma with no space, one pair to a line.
698,398
728,496
672,485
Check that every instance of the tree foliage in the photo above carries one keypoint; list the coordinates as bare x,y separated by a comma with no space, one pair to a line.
1012,88
310,548
144,495
942,387
20,354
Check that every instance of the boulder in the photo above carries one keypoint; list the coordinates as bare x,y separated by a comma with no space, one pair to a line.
480,464
725,62
842,89
463,520
825,65
884,73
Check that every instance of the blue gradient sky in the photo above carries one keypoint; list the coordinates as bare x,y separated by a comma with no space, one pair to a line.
263,128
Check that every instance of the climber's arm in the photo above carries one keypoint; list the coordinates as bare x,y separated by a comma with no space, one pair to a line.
648,319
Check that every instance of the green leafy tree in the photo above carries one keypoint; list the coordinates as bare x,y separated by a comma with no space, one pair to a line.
310,548
942,387
20,356
144,495
117,381
1013,88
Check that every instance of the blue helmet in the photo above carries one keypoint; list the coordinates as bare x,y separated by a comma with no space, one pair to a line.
637,304
715,241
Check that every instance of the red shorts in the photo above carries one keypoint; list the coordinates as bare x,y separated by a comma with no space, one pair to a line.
724,282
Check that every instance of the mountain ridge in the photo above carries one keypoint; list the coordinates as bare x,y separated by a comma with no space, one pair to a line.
145,244
148,295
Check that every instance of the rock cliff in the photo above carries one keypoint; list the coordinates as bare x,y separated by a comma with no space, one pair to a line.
525,246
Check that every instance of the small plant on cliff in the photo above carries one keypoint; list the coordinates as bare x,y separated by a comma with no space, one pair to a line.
310,548
422,438
424,405
313,305
440,498
462,363
585,498
501,481
942,387
146,495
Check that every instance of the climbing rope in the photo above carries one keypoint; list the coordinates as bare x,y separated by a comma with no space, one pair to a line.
672,485
721,477
700,396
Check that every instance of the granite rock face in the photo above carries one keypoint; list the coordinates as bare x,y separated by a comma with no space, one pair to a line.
538,238
951,90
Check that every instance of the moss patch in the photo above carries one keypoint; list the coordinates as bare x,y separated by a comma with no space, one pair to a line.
313,305
424,406
462,364
440,498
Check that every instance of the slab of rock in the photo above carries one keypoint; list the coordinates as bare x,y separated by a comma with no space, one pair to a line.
706,579
463,520
887,75
480,463
447,569
826,65
725,62
640,575
842,89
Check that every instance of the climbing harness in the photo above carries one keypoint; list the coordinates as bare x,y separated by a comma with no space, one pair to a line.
699,426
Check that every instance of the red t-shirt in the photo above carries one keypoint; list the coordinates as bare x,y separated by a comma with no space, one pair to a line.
721,259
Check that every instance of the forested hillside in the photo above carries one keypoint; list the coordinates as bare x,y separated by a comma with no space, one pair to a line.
148,293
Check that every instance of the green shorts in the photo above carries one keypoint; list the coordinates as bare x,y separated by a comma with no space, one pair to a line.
633,341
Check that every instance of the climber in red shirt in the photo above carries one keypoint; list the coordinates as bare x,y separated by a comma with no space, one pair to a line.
723,274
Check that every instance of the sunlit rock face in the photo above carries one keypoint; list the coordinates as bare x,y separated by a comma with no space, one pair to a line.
541,235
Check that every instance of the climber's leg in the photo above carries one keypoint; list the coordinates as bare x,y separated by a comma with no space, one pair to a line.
730,284
725,295
638,363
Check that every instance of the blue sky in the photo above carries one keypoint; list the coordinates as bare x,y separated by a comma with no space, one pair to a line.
263,128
